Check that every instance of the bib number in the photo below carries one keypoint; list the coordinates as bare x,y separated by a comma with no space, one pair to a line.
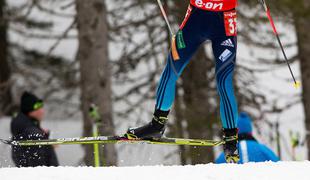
230,20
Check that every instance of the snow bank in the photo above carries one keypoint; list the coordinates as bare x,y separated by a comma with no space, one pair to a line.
250,171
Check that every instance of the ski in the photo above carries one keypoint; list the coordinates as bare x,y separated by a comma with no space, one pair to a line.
116,140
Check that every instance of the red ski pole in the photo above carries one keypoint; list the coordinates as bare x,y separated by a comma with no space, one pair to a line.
296,83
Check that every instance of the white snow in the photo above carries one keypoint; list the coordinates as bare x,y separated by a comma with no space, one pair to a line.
250,171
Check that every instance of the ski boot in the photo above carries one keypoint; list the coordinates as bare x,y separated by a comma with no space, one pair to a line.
231,145
154,129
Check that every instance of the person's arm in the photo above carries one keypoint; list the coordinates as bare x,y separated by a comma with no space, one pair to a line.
34,133
36,155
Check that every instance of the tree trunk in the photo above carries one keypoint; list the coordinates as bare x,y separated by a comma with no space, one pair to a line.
95,72
5,74
177,129
198,112
302,25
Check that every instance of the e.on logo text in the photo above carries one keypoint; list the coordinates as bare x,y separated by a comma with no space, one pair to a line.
209,5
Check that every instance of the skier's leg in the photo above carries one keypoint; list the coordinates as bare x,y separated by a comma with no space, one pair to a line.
224,44
188,39
224,50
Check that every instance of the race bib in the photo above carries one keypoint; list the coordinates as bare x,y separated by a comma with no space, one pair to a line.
230,20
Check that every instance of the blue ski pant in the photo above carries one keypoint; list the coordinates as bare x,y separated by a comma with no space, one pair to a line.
197,27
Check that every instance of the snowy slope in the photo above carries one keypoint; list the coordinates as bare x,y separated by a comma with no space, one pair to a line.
250,171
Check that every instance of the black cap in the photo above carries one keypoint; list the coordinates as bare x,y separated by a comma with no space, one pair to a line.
30,102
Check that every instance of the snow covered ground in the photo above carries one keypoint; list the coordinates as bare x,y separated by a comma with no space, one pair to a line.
250,171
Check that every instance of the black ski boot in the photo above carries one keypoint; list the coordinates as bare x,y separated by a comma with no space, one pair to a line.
231,145
154,129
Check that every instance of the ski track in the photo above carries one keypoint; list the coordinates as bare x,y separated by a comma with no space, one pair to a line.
250,171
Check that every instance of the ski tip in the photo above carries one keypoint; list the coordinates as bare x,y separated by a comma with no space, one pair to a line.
297,85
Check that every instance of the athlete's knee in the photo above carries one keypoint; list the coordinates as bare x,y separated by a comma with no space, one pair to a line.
224,70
